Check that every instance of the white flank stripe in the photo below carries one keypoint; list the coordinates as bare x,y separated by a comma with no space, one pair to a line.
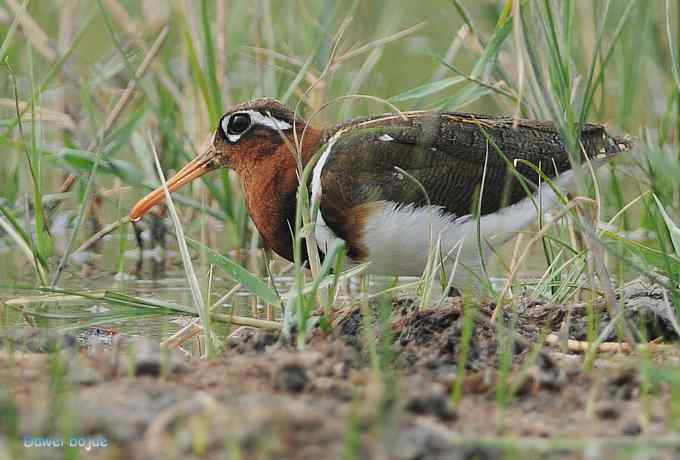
386,138
323,234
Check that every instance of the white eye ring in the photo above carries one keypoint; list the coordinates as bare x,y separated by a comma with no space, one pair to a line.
235,125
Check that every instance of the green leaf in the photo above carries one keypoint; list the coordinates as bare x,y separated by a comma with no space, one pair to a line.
651,256
427,89
10,33
198,74
493,48
81,160
673,229
239,274
470,94
13,228
209,50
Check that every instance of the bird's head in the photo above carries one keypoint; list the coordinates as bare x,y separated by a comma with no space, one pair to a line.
255,138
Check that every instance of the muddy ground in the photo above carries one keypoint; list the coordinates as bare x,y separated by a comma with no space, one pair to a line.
356,392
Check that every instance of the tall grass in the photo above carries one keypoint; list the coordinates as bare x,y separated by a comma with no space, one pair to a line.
74,119
566,61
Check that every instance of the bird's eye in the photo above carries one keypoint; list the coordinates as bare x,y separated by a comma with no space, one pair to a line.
238,124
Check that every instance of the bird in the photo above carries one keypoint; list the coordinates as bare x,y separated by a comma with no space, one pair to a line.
395,185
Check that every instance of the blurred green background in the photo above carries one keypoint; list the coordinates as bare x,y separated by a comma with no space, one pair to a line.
67,63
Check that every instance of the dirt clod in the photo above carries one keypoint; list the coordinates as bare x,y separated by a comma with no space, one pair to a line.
431,403
624,384
607,411
291,378
149,359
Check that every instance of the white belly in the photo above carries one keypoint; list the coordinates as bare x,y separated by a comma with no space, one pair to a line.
400,238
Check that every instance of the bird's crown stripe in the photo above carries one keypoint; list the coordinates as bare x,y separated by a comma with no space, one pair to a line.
268,120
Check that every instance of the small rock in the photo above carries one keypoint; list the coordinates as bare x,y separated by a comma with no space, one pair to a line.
607,411
632,429
243,333
292,378
624,384
247,339
548,374
435,404
150,359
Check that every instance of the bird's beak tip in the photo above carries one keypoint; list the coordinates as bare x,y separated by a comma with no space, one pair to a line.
198,167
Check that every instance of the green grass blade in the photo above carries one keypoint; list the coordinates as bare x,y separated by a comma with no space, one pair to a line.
209,50
427,89
196,294
198,73
673,229
7,41
239,274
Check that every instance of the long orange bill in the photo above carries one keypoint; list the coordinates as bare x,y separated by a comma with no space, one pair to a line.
198,167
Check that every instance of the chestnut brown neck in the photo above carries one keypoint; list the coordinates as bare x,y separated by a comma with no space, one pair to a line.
270,191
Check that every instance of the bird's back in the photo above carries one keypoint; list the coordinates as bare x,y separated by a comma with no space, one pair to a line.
448,153
389,184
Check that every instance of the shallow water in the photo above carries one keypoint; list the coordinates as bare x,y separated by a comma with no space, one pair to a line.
91,319
95,272
164,281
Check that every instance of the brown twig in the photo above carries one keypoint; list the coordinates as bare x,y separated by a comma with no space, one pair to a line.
247,321
101,234
579,346
183,335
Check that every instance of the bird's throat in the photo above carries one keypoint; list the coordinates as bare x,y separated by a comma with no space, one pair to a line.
271,204
270,191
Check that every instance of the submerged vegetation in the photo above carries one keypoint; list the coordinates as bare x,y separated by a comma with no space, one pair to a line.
578,320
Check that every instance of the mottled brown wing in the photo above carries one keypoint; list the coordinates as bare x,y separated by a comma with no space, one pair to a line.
439,159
